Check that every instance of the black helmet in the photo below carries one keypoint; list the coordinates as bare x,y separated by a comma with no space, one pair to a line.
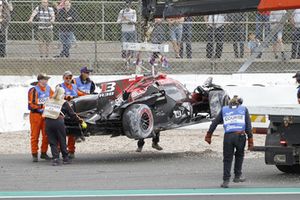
297,76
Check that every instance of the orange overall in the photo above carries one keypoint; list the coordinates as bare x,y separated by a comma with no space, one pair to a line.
36,98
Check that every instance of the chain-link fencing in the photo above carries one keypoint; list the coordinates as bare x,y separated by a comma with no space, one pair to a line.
92,35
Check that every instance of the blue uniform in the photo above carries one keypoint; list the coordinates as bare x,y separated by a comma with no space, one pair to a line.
234,119
84,87
42,97
68,92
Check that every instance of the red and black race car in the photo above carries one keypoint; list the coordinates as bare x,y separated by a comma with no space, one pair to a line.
141,106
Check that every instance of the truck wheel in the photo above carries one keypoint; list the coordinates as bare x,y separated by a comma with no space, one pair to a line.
296,168
290,169
138,121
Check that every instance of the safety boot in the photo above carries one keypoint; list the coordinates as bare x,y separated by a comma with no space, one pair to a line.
55,162
239,179
45,156
225,184
67,161
156,146
139,149
71,155
34,157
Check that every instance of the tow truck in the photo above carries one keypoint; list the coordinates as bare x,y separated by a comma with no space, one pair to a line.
282,144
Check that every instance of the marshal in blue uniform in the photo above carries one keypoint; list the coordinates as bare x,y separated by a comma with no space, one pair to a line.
237,124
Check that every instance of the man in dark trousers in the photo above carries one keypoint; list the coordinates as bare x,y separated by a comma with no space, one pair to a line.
155,145
297,77
66,31
237,123
238,33
215,35
55,110
187,38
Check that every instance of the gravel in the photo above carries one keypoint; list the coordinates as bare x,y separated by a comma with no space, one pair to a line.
175,141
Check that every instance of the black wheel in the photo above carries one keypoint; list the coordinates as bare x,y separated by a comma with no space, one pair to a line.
290,169
296,168
138,121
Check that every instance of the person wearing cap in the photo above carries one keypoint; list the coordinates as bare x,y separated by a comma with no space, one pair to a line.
71,92
84,83
37,96
297,77
55,110
237,124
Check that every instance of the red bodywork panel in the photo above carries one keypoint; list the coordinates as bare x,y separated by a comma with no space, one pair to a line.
266,5
135,86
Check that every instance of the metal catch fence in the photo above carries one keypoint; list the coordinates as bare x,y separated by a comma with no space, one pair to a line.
91,33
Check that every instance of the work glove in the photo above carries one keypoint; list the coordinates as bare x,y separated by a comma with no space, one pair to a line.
83,125
250,144
208,138
68,98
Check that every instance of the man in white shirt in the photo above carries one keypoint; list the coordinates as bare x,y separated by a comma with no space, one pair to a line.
275,18
45,15
127,17
215,34
295,20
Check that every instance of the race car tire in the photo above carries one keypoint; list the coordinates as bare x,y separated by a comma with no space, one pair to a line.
290,169
138,121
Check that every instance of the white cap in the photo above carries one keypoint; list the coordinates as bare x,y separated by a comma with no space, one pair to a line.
67,73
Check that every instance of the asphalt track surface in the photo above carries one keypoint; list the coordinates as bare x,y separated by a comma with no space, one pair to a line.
149,175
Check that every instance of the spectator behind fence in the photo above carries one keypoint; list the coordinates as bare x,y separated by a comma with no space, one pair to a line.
128,19
61,4
176,29
5,9
215,34
187,38
262,27
296,34
45,16
253,44
66,15
275,18
238,33
158,34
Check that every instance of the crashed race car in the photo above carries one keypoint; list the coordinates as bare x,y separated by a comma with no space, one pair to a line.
142,106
